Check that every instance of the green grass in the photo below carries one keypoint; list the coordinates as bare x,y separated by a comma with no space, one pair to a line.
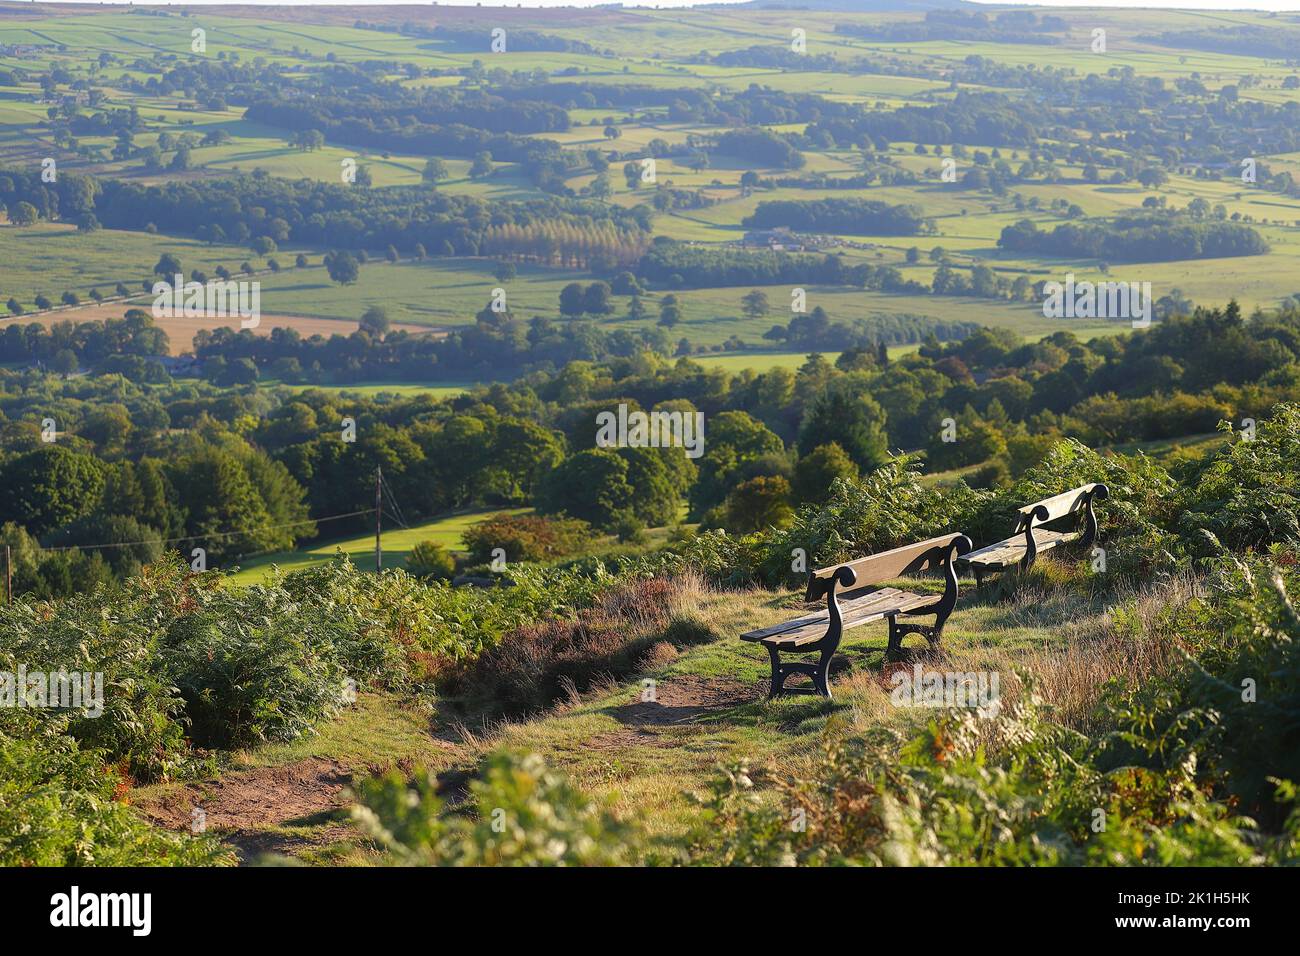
397,544
52,258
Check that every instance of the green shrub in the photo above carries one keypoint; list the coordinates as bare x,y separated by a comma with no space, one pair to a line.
525,538
431,560
521,814
1234,706
57,809
1248,494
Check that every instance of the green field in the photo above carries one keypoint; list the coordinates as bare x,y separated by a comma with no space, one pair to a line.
396,543
646,47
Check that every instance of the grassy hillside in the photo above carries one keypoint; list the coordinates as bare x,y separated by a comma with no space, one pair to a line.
397,543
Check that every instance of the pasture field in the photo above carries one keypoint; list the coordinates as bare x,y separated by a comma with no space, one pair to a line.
447,293
397,544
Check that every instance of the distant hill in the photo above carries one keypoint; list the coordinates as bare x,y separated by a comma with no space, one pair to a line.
866,6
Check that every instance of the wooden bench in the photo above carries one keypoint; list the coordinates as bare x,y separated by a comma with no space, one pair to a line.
1030,538
821,632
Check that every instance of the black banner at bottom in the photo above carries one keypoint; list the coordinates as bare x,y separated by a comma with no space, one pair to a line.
303,905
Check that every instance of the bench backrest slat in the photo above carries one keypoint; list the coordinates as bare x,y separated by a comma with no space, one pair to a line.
1057,506
888,565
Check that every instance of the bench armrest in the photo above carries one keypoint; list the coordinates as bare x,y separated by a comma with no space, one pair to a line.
961,545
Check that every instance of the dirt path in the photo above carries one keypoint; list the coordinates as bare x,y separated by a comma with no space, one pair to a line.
680,700
242,804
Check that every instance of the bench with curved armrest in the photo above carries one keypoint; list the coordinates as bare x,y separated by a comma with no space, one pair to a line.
857,603
1031,539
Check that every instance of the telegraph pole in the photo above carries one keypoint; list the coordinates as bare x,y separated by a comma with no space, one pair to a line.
379,516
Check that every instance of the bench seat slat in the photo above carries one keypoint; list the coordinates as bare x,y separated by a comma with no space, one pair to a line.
861,610
1011,550
819,617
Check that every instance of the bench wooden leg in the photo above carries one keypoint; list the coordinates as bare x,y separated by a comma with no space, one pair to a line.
819,673
979,576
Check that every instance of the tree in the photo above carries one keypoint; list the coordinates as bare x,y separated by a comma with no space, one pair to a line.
755,304
50,487
596,299
168,266
977,441
23,214
435,170
482,165
504,272
375,321
238,371
852,419
625,283
632,174
108,426
670,311
1152,177
221,498
815,472
735,441
64,362
591,485
758,503
571,300
342,267
655,496
307,139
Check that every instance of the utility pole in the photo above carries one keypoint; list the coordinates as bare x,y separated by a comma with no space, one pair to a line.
379,516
